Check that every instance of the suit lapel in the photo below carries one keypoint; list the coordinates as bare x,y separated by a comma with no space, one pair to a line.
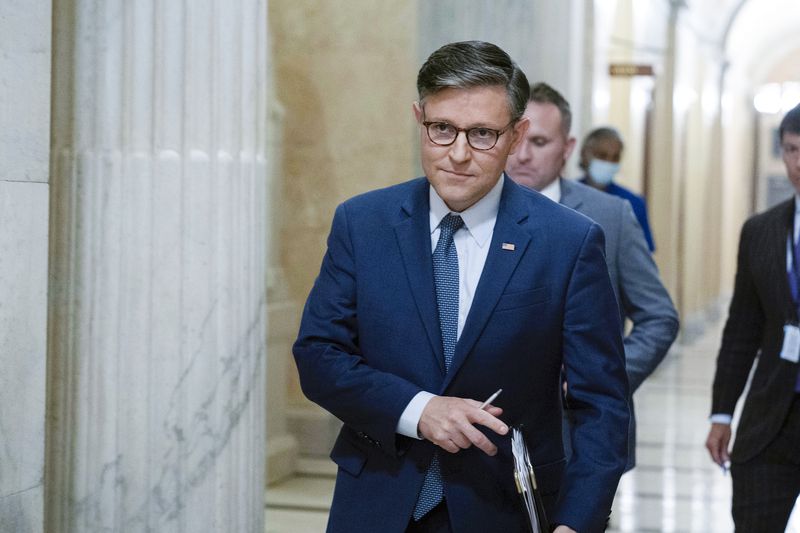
780,232
568,196
414,238
500,265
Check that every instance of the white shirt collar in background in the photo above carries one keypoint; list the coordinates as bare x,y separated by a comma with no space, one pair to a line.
553,191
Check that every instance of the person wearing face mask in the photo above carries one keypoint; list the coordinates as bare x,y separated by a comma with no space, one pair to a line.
600,155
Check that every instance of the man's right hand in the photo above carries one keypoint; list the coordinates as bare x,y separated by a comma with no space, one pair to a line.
717,443
449,422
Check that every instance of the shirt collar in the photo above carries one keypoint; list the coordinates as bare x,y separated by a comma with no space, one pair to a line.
478,219
553,191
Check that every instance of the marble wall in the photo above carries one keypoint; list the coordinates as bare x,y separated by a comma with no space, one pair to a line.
345,78
24,149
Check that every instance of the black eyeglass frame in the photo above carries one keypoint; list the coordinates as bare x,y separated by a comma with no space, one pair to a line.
497,133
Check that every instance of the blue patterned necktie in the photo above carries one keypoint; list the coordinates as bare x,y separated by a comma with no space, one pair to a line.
445,275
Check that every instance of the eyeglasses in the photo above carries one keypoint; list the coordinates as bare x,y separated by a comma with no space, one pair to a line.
479,138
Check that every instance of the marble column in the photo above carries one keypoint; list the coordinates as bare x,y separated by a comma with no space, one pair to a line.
24,145
157,325
506,23
665,185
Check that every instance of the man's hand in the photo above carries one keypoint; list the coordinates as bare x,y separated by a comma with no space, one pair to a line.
564,529
717,443
448,422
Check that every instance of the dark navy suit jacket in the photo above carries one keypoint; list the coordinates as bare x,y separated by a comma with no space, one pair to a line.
370,340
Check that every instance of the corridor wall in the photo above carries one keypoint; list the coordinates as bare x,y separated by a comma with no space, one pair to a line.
24,195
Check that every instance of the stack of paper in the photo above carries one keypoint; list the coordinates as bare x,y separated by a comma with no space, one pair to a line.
526,483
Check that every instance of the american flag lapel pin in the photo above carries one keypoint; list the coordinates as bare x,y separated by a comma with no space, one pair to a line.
508,246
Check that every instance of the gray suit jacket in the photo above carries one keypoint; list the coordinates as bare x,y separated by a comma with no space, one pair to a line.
641,296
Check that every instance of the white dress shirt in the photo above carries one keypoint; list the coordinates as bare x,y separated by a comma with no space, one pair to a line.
553,191
472,245
724,418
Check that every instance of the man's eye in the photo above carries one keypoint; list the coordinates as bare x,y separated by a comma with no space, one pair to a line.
538,141
442,127
482,133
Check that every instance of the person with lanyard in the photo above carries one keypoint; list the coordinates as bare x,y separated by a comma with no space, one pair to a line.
763,322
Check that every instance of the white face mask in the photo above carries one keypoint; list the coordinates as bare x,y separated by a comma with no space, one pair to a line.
603,172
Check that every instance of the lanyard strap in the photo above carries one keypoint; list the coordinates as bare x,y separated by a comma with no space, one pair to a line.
794,271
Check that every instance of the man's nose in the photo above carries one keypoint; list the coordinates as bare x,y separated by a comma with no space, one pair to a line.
460,150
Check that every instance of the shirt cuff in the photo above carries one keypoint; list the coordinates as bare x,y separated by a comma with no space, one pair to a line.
409,420
719,418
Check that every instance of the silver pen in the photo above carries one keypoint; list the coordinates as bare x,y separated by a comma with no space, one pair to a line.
491,398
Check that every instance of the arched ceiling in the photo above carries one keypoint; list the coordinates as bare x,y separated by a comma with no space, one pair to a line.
763,37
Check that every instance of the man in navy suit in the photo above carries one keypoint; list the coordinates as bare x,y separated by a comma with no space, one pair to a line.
437,292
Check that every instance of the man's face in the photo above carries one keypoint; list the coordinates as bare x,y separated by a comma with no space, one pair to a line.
790,145
541,156
460,174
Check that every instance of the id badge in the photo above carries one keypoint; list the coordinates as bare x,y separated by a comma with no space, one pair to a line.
791,343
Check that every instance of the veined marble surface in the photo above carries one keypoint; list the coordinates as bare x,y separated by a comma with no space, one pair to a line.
25,58
23,330
24,90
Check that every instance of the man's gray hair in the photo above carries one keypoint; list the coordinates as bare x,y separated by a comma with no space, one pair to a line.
469,64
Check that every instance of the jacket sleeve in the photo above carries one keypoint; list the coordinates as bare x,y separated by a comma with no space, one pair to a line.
595,370
644,300
332,371
742,334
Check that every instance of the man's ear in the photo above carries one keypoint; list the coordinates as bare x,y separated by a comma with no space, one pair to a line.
571,141
417,112
518,133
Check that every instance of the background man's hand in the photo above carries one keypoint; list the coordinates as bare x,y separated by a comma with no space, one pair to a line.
449,422
717,443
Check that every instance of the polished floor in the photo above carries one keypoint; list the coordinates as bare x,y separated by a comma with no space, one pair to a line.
674,489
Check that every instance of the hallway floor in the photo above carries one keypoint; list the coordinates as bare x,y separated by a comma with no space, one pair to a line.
674,488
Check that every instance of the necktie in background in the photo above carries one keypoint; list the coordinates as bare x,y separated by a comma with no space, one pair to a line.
445,275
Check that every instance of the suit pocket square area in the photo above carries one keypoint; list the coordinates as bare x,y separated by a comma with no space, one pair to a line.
515,300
